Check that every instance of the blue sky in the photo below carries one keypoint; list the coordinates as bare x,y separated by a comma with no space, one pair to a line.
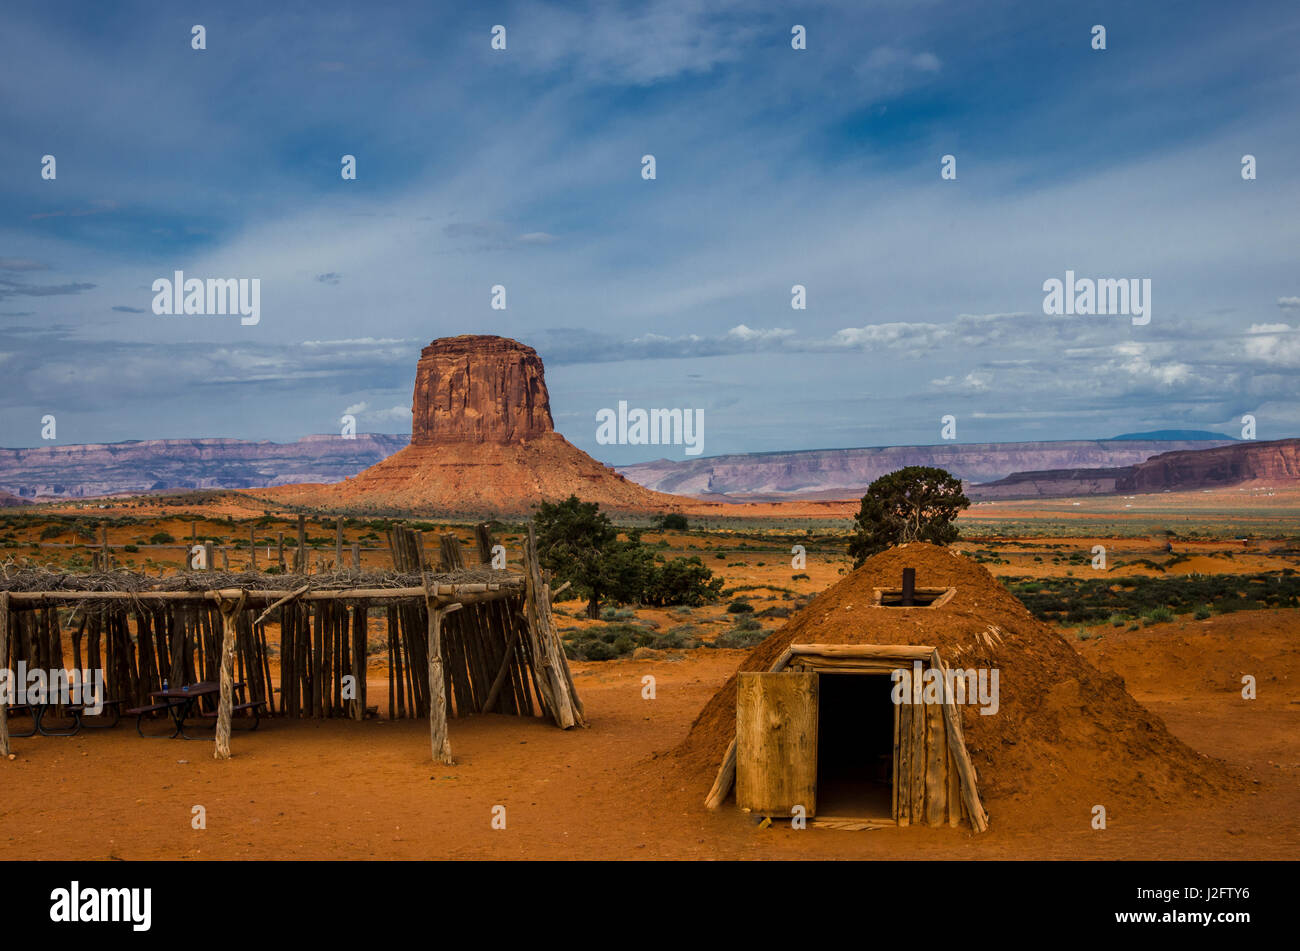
775,167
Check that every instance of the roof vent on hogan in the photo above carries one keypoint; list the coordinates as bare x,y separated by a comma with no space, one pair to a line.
908,595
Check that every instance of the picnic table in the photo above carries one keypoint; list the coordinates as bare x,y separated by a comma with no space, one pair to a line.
179,702
37,712
80,718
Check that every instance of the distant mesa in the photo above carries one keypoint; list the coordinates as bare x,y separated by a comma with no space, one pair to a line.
1242,463
482,441
1183,435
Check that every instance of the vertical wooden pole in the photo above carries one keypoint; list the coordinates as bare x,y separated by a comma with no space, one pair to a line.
441,743
280,551
4,664
229,616
300,558
356,557
252,548
909,587
338,544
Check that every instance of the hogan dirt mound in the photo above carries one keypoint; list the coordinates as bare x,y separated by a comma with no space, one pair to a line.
1064,730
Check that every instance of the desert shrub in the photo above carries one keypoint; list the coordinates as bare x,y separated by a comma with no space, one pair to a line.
675,521
1202,612
746,633
800,577
131,548
52,531
161,538
739,606
1158,615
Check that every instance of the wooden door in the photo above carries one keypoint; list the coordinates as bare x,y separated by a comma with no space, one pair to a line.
776,742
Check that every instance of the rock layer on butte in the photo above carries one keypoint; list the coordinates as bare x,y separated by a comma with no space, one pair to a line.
482,442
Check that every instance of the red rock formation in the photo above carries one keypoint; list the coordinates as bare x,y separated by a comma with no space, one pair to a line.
482,442
1275,461
479,389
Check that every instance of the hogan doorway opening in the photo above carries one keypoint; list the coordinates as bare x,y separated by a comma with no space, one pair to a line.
855,748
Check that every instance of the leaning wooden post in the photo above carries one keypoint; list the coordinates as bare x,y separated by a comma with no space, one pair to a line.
438,738
4,665
229,616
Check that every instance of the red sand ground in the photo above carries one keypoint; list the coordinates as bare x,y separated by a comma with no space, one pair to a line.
338,789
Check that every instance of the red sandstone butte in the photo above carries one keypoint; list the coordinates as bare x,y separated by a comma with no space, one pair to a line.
479,389
482,442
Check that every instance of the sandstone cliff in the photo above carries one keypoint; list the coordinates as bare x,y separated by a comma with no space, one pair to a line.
1274,462
482,441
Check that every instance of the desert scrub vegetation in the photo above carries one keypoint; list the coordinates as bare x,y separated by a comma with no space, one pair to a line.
611,641
1108,600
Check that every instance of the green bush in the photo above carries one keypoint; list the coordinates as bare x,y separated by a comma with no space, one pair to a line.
739,606
1159,615
161,538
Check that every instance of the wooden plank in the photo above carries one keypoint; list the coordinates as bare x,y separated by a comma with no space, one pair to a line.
4,663
850,825
894,774
726,776
936,769
899,651
954,789
903,775
865,665
917,763
971,804
776,742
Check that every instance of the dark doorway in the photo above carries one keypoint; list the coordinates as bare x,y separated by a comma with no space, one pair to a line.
855,746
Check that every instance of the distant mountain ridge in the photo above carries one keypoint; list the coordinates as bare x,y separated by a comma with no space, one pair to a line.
1186,435
845,473
153,465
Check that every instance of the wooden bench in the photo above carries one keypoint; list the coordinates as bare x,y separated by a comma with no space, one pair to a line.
141,712
254,707
114,705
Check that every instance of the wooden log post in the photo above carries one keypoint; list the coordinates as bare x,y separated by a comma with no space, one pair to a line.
230,611
483,535
338,544
4,665
252,548
300,556
356,557
207,556
438,738
280,552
